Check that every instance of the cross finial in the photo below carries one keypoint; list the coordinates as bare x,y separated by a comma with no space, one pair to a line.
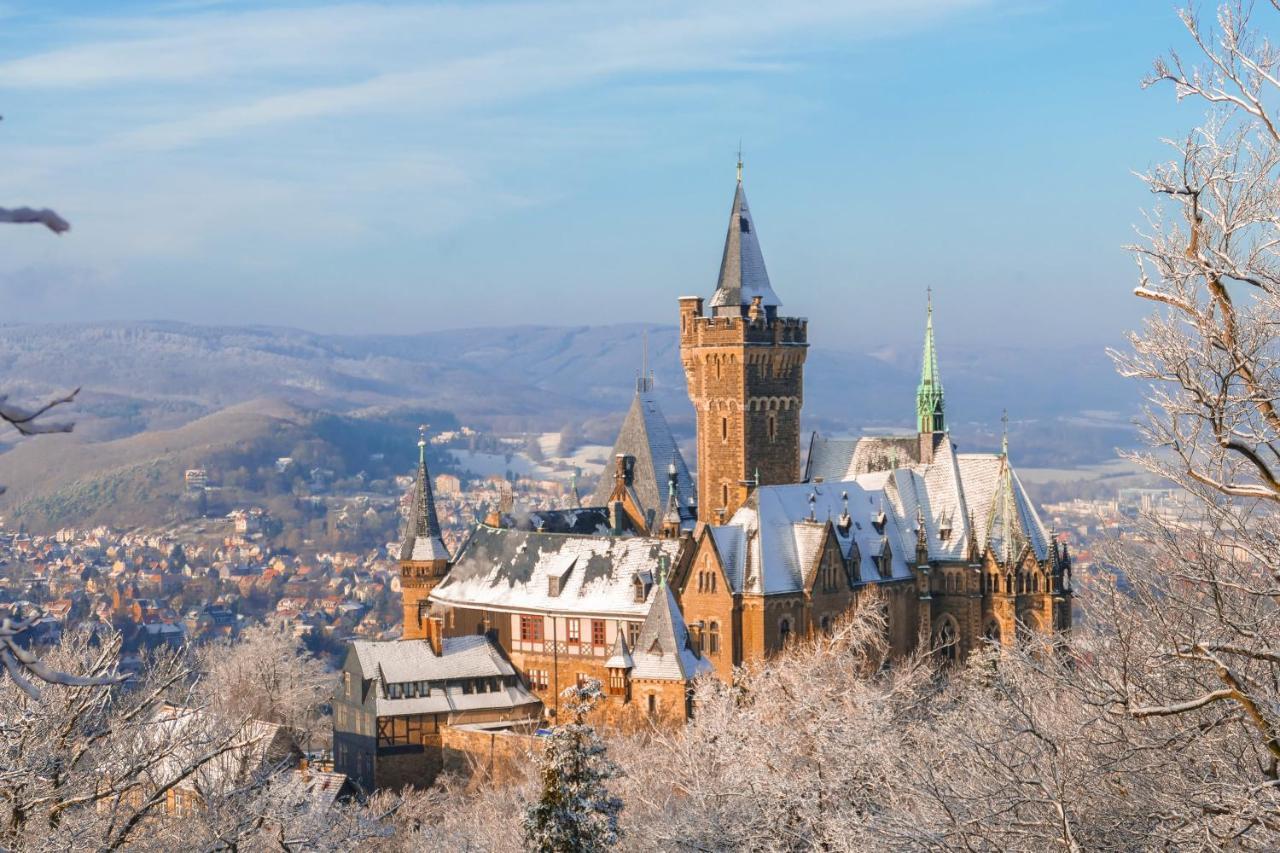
739,161
928,293
1004,440
422,442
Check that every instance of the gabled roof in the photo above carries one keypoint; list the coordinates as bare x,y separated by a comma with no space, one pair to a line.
663,650
742,273
771,543
838,459
952,492
646,436
509,570
1003,513
422,540
407,661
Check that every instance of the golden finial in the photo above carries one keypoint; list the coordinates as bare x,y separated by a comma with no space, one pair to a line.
739,161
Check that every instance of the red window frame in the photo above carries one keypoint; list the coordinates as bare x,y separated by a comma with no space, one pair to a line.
531,629
597,632
573,629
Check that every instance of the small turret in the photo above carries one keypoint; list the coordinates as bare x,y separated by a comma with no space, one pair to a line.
930,419
424,558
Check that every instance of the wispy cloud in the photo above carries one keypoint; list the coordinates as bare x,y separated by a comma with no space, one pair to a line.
195,127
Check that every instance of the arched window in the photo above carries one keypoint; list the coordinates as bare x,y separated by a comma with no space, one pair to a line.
724,429
773,426
947,640
784,632
713,638
1008,584
992,632
653,705
724,493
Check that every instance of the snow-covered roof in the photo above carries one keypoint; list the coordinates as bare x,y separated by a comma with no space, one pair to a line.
947,493
410,661
399,661
1003,514
742,273
501,569
773,540
663,650
620,656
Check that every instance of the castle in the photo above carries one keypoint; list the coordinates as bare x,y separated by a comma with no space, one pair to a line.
664,577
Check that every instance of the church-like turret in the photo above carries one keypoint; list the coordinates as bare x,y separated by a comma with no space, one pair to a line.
929,398
424,559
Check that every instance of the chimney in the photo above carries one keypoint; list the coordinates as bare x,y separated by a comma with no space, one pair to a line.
435,634
615,517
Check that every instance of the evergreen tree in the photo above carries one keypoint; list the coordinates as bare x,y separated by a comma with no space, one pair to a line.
575,813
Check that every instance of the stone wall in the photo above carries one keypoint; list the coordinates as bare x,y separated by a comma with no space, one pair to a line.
488,756
746,383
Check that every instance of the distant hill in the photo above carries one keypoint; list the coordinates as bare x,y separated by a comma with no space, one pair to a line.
161,394
57,480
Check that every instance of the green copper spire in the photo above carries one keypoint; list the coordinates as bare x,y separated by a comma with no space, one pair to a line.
929,401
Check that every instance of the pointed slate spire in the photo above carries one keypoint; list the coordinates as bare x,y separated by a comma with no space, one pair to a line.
742,273
929,399
422,540
646,436
620,655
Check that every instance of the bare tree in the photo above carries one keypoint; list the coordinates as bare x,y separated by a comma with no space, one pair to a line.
1193,646
266,674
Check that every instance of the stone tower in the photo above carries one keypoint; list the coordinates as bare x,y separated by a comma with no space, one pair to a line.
424,559
745,368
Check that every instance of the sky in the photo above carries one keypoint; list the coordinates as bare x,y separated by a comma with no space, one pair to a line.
402,167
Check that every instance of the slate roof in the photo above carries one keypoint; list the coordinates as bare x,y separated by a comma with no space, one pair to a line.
663,650
646,436
742,273
953,489
581,520
620,656
503,569
770,544
835,459
422,540
405,661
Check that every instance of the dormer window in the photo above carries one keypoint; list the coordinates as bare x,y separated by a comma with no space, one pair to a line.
640,585
558,576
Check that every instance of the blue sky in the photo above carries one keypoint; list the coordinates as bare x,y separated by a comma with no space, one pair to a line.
410,166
